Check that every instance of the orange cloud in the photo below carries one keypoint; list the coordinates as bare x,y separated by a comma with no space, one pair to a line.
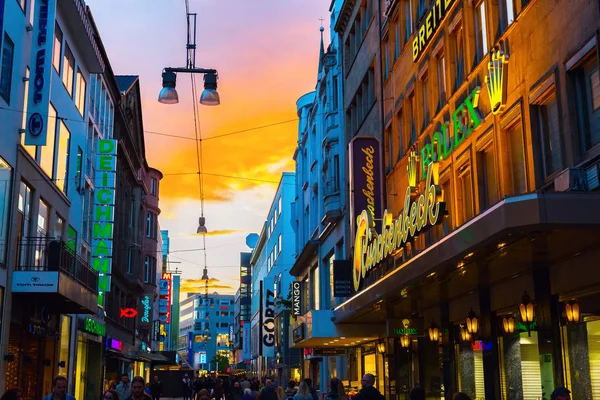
198,286
218,232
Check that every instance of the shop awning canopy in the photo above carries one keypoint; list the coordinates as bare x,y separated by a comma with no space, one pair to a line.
148,357
305,257
509,238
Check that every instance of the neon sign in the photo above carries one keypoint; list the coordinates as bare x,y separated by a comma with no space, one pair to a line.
128,313
496,80
430,25
146,305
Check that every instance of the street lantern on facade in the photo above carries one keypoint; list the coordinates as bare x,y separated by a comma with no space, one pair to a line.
434,333
405,341
572,309
508,323
526,308
465,336
472,323
381,347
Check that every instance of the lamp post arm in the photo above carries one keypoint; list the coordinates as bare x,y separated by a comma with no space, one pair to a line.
191,70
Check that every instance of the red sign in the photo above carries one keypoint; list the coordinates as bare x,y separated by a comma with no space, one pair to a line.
164,302
128,313
224,308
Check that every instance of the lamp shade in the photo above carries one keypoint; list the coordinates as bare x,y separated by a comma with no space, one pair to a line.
472,323
434,334
381,347
168,94
508,323
464,334
526,309
405,341
572,309
210,96
201,226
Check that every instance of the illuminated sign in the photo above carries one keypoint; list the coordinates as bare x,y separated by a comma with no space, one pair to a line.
145,310
41,62
465,119
420,213
365,177
114,344
268,318
164,302
92,326
296,298
128,313
103,213
496,79
430,25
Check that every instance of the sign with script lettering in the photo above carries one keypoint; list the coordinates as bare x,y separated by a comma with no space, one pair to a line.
366,189
41,68
145,310
421,212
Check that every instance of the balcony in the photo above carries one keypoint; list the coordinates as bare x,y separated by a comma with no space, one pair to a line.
49,270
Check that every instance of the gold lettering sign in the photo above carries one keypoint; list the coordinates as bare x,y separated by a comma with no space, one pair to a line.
429,26
421,211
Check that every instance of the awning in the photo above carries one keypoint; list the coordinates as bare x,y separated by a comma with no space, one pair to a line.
146,356
304,257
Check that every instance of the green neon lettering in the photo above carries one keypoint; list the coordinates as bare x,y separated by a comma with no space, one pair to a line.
102,231
101,265
106,163
104,196
106,146
101,249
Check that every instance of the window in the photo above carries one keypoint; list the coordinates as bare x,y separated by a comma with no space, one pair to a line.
441,77
386,58
464,193
400,135
29,149
23,222
408,19
397,43
57,51
8,52
331,282
80,92
516,159
153,186
458,41
23,4
68,70
389,150
59,227
78,169
507,11
5,196
147,269
413,118
62,158
336,173
447,225
424,99
129,259
43,224
151,225
279,244
334,94
279,206
421,9
47,151
480,31
486,177
131,209
586,79
316,287
549,133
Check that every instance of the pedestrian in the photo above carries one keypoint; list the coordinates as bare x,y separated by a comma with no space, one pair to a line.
148,389
561,393
156,388
268,392
248,394
303,392
291,389
418,393
186,384
311,389
124,388
336,390
368,391
280,393
460,396
111,394
218,392
12,394
236,391
59,390
137,389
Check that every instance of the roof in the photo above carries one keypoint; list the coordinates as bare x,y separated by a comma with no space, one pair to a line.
125,82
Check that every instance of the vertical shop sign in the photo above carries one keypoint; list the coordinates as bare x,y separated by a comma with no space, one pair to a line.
145,310
342,278
246,341
164,301
103,215
268,319
38,102
366,190
296,298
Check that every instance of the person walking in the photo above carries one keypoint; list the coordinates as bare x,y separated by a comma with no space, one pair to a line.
111,394
303,392
368,391
236,391
291,390
137,389
156,388
460,396
124,388
268,391
59,390
311,390
248,394
561,393
12,394
186,384
280,393
336,390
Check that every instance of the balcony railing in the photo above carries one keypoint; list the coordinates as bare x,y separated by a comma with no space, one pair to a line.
49,254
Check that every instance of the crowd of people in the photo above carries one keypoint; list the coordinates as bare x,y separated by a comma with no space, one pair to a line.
240,388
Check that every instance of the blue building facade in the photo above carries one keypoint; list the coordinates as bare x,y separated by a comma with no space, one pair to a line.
271,261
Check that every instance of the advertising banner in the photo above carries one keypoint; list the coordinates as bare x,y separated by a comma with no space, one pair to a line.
342,278
246,341
164,302
297,293
44,15
366,187
145,310
103,214
268,318
35,282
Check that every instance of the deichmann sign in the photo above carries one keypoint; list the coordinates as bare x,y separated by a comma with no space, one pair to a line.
430,25
296,298
365,177
103,215
465,119
420,213
41,64
92,326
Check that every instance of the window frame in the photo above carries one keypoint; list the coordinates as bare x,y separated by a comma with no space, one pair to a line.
80,98
6,95
67,68
511,118
58,56
486,144
457,37
464,167
480,25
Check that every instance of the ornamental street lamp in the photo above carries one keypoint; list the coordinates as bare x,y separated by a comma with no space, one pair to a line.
526,308
434,334
572,309
472,323
508,323
405,341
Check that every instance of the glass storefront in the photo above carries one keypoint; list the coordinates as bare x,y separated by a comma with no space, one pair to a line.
88,370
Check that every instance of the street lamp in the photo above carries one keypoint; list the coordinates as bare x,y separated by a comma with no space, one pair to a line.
434,333
508,323
168,94
526,309
472,323
202,226
572,309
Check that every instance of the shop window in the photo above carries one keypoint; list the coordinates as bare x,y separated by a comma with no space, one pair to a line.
68,70
480,32
515,159
458,44
65,342
5,196
507,13
546,115
486,175
585,79
581,353
6,69
57,51
464,193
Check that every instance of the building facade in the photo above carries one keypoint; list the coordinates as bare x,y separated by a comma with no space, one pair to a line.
205,325
243,314
477,271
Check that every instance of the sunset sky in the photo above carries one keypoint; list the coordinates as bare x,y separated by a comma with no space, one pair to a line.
266,52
